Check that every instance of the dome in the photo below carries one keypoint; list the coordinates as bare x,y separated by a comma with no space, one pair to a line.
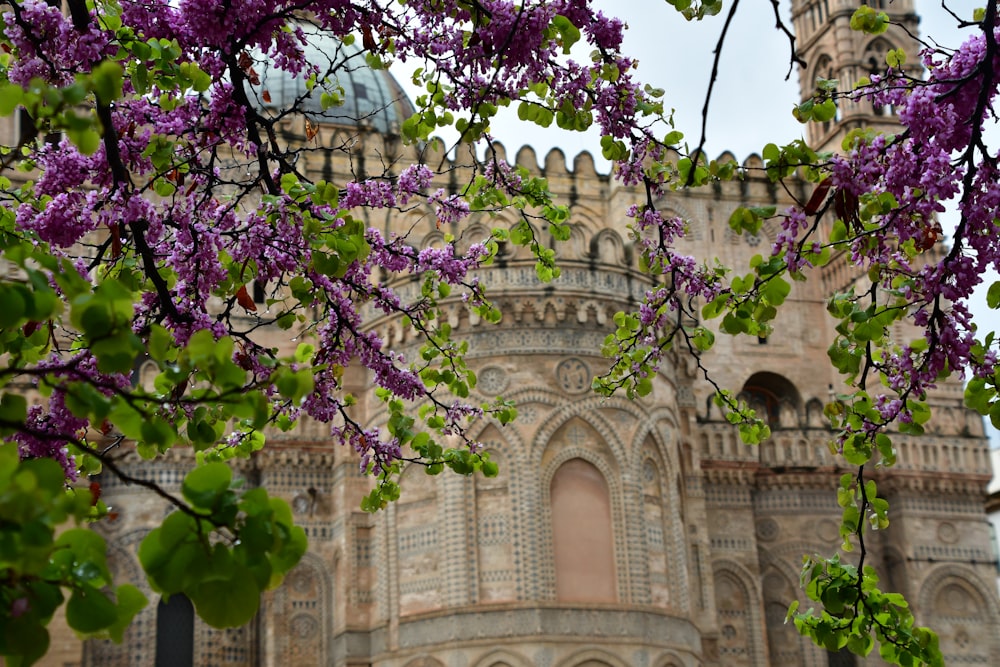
372,98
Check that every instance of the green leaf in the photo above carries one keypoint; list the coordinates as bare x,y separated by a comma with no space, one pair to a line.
11,95
205,485
89,610
228,601
107,81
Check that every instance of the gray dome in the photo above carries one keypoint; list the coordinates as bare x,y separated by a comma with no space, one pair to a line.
372,98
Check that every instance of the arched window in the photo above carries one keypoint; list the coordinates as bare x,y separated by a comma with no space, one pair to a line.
874,61
581,534
774,398
736,639
175,632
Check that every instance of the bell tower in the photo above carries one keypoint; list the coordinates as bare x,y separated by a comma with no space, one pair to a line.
832,50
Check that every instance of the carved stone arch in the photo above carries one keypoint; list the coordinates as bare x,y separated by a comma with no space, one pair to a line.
476,232
146,374
501,658
669,660
951,601
586,411
589,218
603,463
821,69
873,58
608,247
576,247
591,657
787,555
300,614
651,428
592,310
814,414
424,661
738,608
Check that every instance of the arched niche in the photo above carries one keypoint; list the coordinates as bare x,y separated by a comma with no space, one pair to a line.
300,614
501,658
739,625
474,233
784,644
874,59
952,603
592,658
774,398
607,247
582,537
424,661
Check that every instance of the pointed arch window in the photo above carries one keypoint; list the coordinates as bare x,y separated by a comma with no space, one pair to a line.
874,60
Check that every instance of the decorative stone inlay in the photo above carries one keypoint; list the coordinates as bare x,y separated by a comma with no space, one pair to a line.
947,533
767,530
573,376
301,580
827,530
304,626
492,380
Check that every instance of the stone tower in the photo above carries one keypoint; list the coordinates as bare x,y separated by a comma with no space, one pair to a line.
833,51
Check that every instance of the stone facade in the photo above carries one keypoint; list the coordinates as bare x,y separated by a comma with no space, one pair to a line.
619,533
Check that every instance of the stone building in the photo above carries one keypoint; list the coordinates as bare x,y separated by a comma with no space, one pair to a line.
619,533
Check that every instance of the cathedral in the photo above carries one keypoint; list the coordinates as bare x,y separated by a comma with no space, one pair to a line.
619,533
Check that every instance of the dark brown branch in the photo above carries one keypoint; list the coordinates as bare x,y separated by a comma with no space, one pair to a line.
697,153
